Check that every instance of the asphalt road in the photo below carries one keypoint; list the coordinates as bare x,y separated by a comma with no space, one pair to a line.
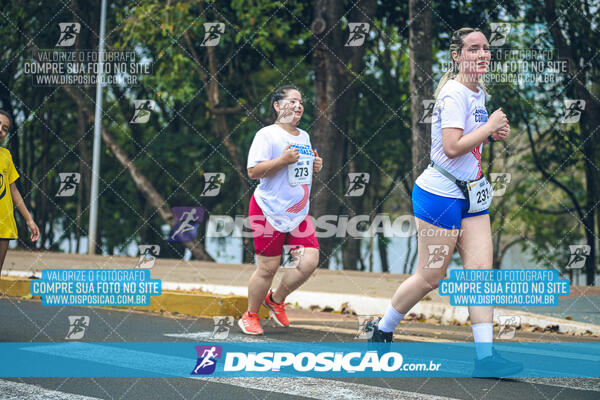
29,321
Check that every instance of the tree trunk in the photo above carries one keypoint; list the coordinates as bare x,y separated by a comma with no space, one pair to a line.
336,69
140,181
84,189
352,206
382,241
151,194
382,244
413,259
589,125
421,83
590,152
222,130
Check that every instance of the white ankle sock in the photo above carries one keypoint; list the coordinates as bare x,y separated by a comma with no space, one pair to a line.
483,336
390,320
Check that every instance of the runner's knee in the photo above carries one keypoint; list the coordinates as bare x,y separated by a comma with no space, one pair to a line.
266,272
310,263
429,282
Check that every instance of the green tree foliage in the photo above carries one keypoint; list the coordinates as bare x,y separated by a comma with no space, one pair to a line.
205,122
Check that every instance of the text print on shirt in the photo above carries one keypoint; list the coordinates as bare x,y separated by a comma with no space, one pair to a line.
303,148
480,114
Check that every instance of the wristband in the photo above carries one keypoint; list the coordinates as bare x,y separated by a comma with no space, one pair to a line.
491,139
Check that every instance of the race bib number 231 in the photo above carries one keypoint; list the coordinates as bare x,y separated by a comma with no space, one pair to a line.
480,195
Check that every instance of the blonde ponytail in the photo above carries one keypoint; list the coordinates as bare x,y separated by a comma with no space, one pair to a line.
482,85
450,74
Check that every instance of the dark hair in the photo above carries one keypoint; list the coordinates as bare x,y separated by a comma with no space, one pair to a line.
279,94
7,115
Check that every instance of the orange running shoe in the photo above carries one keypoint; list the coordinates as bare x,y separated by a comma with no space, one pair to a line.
249,324
277,311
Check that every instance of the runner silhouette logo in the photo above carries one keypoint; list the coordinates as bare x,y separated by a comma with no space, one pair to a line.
207,359
212,183
148,254
68,183
499,33
579,254
573,110
358,33
508,325
187,220
358,183
213,30
437,255
222,326
500,182
365,329
292,254
428,107
68,33
143,110
77,326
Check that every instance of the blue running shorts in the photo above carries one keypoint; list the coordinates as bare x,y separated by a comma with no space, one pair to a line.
445,212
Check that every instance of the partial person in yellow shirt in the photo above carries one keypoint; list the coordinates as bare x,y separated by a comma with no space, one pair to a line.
9,195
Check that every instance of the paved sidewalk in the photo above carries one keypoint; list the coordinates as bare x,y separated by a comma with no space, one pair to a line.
190,273
365,293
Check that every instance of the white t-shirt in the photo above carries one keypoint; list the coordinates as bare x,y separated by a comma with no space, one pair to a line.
456,107
285,206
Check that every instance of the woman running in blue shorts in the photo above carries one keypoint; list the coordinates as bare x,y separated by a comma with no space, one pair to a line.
449,215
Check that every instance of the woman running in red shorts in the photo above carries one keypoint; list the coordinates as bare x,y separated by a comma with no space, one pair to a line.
282,157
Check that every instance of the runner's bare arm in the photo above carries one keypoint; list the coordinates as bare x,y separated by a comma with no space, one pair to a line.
20,204
501,134
318,164
267,168
456,144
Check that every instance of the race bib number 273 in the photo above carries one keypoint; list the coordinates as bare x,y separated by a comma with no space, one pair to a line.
300,173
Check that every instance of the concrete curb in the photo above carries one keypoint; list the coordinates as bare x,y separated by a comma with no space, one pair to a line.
196,304
16,287
221,300
367,305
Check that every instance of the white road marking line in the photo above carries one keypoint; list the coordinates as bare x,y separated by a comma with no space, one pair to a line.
10,390
398,337
205,336
588,384
325,389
